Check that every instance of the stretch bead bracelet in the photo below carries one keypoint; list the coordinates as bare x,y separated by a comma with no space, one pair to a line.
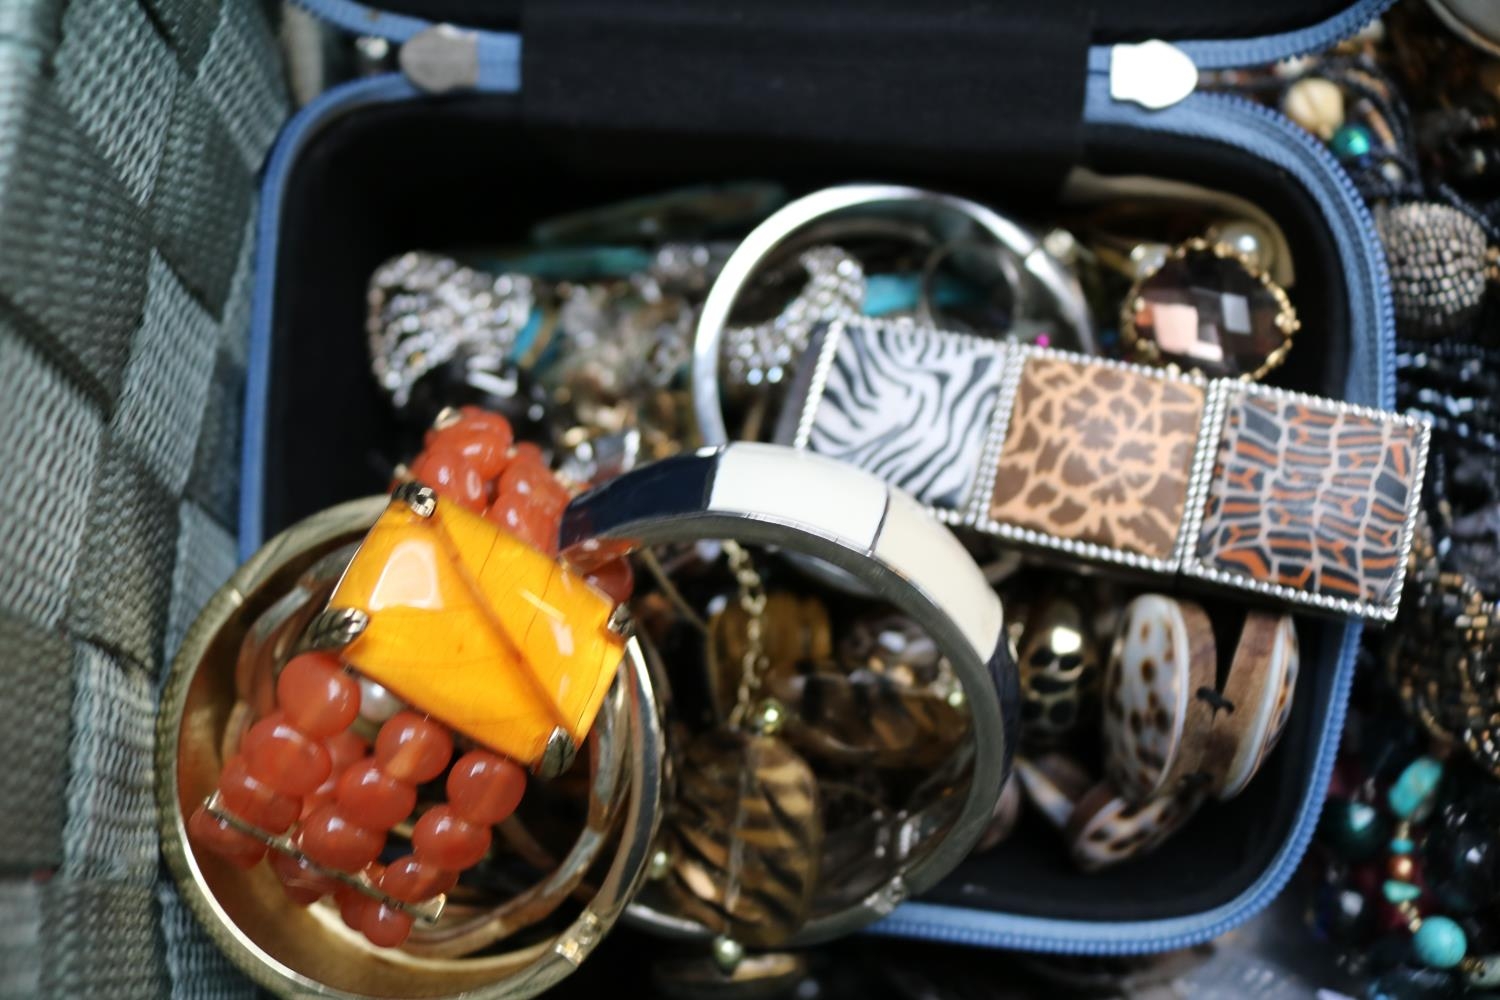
304,767
1438,942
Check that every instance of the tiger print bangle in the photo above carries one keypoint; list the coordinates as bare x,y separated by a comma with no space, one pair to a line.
1307,500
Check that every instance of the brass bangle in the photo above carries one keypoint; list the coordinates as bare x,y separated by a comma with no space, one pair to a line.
296,952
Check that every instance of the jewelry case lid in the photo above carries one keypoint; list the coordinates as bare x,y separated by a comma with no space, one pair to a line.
1004,79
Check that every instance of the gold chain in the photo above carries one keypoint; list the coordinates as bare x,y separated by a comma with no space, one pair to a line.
753,602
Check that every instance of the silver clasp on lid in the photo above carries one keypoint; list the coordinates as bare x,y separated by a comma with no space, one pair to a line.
441,58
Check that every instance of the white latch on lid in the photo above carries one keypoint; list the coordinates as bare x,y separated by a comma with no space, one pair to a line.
1154,74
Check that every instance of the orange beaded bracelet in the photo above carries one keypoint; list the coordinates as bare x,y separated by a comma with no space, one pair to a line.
306,786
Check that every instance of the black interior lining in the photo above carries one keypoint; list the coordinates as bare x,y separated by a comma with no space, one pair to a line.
951,77
445,173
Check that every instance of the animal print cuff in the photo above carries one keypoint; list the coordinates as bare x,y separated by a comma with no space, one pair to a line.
1303,499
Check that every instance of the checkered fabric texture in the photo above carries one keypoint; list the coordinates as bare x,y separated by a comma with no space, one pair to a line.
131,136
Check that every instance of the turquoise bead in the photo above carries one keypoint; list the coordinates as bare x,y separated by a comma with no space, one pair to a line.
1440,943
1400,845
1397,891
1411,796
1351,142
1356,830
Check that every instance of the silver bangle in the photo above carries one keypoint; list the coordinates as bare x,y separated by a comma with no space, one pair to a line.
809,505
789,226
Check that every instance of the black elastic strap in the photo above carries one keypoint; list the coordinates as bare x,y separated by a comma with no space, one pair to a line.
951,78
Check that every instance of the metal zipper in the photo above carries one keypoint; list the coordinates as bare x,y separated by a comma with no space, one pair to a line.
434,58
302,126
1233,53
1267,134
1152,86
456,57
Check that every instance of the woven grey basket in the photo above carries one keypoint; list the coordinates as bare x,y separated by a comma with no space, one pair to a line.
131,136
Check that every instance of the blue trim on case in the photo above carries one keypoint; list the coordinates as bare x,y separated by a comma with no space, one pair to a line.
1371,380
499,63
318,112
360,19
1230,53
499,72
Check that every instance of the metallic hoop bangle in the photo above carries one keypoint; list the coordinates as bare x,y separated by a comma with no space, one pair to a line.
813,506
822,207
293,952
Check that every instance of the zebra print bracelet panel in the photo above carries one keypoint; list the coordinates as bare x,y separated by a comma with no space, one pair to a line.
1297,498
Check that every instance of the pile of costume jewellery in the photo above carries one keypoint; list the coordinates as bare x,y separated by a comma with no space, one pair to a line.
744,589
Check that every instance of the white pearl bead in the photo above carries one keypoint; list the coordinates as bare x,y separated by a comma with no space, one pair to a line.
376,704
1250,241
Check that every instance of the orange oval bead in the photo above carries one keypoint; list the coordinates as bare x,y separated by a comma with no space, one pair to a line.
533,481
412,881
443,838
317,695
384,926
352,905
591,554
529,522
334,841
280,755
322,796
483,447
475,418
485,788
254,801
615,578
370,797
210,833
302,884
413,748
553,501
345,749
452,477
528,451
478,418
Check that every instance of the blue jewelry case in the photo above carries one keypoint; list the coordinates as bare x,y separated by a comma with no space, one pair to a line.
518,114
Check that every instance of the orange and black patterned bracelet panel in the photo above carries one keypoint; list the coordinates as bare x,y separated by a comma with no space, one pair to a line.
472,654
1305,500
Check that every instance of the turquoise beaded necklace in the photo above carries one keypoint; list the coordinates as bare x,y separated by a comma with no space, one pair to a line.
1437,941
